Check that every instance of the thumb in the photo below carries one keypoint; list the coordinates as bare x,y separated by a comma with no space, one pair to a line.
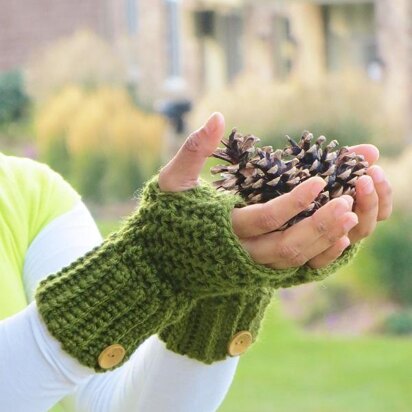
182,172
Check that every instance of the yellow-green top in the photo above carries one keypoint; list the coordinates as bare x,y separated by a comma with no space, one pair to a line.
31,196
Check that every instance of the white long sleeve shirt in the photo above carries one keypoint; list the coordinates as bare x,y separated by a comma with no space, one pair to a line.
35,373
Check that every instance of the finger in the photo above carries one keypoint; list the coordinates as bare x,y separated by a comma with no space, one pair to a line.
292,247
329,255
369,151
367,206
182,172
384,191
263,218
340,228
314,235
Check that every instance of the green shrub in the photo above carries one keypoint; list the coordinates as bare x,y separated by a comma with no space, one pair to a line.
87,174
99,140
391,248
123,178
399,323
13,99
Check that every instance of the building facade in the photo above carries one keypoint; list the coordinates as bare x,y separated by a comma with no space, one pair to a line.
186,47
308,39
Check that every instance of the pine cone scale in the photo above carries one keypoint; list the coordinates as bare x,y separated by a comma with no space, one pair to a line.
261,174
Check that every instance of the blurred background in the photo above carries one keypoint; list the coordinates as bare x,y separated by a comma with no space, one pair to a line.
104,92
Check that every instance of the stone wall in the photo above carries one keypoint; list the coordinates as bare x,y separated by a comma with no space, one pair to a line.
28,25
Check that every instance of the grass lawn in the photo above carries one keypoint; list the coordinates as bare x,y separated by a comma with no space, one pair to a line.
290,371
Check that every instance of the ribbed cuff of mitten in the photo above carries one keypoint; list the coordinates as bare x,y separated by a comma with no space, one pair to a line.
105,304
218,327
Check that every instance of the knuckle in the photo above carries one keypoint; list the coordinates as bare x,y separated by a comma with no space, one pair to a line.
299,202
299,260
332,238
192,143
268,221
319,226
286,251
291,254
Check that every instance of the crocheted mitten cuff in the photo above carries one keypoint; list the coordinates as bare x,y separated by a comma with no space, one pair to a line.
105,304
218,327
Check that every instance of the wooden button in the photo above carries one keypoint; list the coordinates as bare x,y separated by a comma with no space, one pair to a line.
111,356
240,343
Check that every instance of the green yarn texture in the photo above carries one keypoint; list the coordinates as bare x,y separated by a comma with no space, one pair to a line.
206,330
174,268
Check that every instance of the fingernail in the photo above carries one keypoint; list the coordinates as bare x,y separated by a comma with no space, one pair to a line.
378,175
317,187
211,123
349,200
367,185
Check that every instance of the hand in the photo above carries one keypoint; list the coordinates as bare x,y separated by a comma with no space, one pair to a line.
318,240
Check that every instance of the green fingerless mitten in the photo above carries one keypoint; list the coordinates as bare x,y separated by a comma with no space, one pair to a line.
175,249
223,326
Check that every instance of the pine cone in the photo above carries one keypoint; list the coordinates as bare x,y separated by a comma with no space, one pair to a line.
261,174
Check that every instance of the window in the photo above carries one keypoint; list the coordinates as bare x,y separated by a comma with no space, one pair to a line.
283,46
131,16
205,23
350,35
232,41
173,39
